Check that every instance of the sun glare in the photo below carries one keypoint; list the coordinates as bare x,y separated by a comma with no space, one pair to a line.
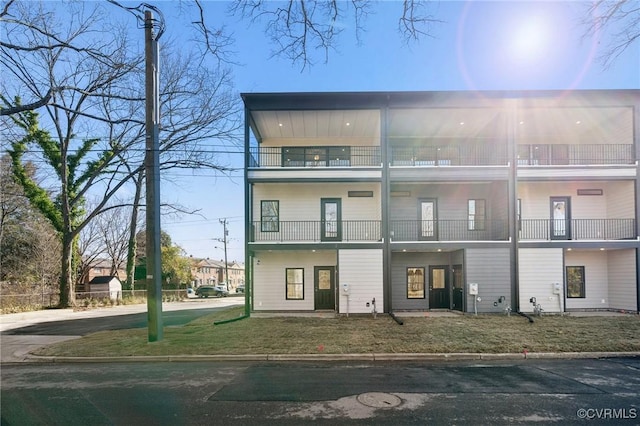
530,40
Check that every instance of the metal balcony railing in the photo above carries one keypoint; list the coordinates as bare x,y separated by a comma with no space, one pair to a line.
567,154
577,229
316,231
449,155
317,156
449,230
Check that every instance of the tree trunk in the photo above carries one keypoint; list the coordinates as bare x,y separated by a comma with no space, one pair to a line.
67,287
133,226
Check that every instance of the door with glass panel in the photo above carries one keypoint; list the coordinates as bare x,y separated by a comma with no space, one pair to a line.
331,219
438,287
560,218
324,286
428,219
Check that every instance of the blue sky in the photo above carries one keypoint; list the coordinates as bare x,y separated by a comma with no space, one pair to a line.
499,45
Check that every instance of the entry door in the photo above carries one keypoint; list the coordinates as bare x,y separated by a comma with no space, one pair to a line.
331,219
458,288
560,218
438,287
427,212
324,285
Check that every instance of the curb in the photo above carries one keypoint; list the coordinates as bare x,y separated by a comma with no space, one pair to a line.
335,357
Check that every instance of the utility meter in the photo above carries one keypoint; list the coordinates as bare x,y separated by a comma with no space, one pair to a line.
473,288
556,288
345,288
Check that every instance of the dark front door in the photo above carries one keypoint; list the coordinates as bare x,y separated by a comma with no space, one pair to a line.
427,212
324,285
560,218
438,287
331,219
458,288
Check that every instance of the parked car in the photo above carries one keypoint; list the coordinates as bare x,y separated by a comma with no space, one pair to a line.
208,290
240,288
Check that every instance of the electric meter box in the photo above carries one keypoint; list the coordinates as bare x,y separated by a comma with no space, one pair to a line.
556,288
473,288
345,288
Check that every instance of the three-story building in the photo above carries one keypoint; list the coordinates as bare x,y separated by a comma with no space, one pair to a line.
467,201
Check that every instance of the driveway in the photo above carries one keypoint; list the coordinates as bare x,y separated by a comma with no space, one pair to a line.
24,332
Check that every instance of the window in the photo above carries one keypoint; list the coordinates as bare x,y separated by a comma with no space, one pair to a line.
270,216
415,283
295,283
477,215
575,282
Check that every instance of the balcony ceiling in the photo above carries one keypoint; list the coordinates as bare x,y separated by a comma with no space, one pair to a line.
348,124
613,124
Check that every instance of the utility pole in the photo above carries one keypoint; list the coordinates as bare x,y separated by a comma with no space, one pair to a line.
152,170
226,264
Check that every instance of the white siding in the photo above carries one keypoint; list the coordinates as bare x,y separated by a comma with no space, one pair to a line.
585,173
306,173
269,280
596,281
539,269
362,271
620,200
536,203
301,201
622,280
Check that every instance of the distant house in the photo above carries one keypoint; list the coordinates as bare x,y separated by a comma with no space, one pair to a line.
105,286
213,272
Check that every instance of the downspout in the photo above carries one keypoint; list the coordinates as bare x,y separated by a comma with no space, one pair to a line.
385,193
512,185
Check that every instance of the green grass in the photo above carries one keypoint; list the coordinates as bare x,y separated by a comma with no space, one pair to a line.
364,334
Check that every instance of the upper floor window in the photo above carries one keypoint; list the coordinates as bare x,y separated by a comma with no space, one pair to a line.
477,215
270,216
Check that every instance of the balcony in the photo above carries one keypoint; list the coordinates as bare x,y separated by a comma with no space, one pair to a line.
316,231
317,156
566,154
577,229
449,230
449,155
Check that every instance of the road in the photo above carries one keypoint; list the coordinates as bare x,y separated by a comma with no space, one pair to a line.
23,332
584,391
562,391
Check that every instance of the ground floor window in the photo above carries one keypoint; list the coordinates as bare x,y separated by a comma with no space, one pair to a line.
575,282
295,283
415,283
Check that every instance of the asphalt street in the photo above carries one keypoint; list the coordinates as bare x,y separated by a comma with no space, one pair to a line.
23,332
578,391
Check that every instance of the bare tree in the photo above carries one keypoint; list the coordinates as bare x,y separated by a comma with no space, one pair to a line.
102,98
616,22
299,27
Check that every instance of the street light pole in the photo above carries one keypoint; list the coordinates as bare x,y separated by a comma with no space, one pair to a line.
152,171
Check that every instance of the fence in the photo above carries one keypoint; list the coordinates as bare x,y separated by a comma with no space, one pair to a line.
24,302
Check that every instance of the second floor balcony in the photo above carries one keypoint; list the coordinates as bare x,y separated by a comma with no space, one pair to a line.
317,231
577,229
574,154
442,230
449,155
315,156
